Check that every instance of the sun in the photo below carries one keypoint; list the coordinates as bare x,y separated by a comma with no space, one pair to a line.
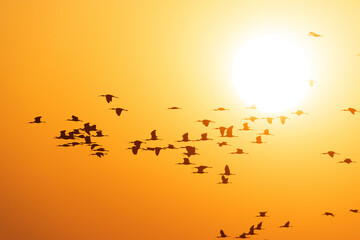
271,73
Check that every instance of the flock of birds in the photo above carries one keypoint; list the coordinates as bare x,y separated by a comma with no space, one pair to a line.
86,134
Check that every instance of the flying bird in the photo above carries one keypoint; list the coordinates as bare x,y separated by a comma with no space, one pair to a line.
37,120
118,110
312,34
328,214
87,128
185,162
170,146
224,180
204,137
299,112
252,118
242,236
154,137
258,140
282,119
99,134
190,151
354,210
222,144
269,119
347,160
108,97
331,153
222,130
221,109
174,108
74,119
99,154
245,127
239,151
252,107
311,82
352,110
222,234
286,225
259,226
266,132
227,171
201,168
251,230
206,122
229,132
262,214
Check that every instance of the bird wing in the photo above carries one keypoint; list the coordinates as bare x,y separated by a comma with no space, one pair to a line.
227,170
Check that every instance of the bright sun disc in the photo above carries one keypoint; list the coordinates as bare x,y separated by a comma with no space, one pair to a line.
271,73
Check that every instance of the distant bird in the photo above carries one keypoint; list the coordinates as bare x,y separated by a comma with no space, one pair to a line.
204,137
185,138
299,112
37,120
266,132
101,150
108,97
222,234
74,119
190,151
286,225
242,236
347,160
94,145
352,110
259,226
252,107
245,127
251,230
153,136
328,214
62,135
87,128
269,119
65,145
222,130
206,122
170,146
311,82
229,132
282,119
186,162
118,110
155,149
354,210
222,144
134,149
227,171
174,108
239,151
224,180
201,168
312,34
331,153
99,154
258,140
76,131
137,143
252,118
221,109
262,214
88,140
99,134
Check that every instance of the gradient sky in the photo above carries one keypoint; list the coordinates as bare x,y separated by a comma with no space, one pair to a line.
58,56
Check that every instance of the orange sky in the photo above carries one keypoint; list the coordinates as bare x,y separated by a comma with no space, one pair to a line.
58,56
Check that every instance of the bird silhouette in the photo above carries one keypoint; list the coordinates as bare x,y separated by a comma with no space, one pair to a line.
252,118
222,234
153,136
352,110
88,140
252,107
299,112
258,140
87,128
312,34
221,109
222,130
206,122
118,110
101,150
229,132
354,210
222,144
286,225
94,145
190,151
185,138
251,230
227,171
204,137
245,127
262,214
186,162
99,134
242,236
269,119
201,168
282,119
328,214
224,180
170,146
174,108
239,151
137,143
155,149
99,154
134,149
37,120
347,160
331,153
108,97
259,226
266,132
74,119
311,82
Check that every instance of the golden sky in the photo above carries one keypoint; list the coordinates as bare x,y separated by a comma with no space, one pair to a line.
59,56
